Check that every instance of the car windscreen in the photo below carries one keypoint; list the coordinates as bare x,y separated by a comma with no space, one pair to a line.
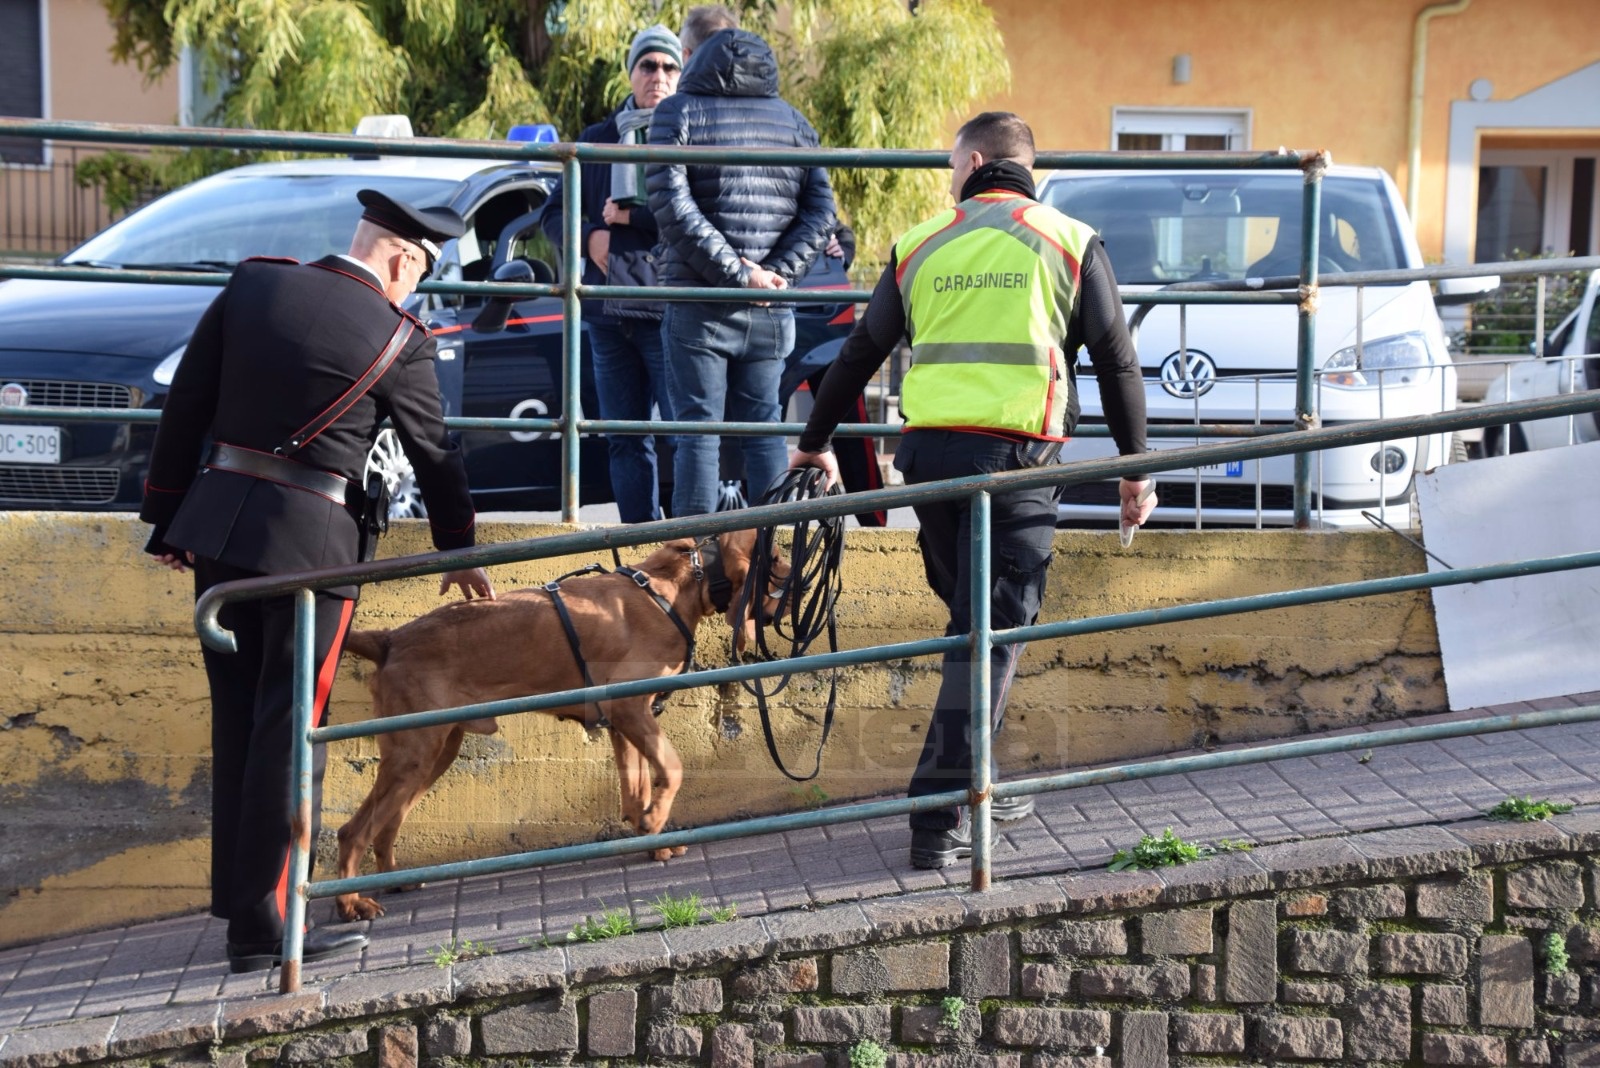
219,221
1178,227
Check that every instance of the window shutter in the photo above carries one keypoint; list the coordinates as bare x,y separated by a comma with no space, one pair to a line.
21,76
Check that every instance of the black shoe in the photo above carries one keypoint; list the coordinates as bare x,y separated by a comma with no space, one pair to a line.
317,945
1007,809
940,849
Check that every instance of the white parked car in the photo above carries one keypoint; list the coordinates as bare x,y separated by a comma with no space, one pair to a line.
1236,363
1563,370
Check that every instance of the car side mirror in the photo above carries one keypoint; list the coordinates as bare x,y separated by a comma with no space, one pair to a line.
1465,290
492,319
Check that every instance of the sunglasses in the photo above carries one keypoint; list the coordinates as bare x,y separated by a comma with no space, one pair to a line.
651,66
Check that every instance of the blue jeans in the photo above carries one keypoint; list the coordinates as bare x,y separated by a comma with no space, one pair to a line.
724,361
630,374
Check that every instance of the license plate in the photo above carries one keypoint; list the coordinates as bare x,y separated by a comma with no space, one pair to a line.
30,444
1229,469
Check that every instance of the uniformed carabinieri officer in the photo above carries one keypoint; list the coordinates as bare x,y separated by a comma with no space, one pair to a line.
256,470
996,295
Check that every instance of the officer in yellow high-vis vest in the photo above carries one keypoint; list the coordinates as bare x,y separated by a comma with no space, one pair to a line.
996,296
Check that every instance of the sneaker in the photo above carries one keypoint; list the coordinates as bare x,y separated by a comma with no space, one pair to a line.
1007,809
940,849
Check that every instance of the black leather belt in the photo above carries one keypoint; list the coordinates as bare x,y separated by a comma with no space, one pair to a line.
272,468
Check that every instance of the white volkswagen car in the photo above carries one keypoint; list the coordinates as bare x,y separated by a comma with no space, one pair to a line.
1236,363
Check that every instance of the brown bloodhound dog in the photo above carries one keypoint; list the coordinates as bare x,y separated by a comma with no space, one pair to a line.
472,652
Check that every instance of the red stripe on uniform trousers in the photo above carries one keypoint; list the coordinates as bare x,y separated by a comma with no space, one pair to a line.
319,708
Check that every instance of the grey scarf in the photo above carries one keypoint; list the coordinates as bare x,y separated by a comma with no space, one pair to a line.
627,179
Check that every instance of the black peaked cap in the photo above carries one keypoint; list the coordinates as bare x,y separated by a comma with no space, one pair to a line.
415,224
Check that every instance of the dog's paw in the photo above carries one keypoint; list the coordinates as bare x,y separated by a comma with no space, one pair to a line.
358,908
661,854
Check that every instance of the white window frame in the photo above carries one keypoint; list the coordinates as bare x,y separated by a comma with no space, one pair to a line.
1175,125
45,145
1558,164
1569,105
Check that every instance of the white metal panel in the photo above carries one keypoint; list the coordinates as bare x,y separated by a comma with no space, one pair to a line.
1521,638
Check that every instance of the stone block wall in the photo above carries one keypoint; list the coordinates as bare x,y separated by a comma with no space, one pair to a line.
1419,946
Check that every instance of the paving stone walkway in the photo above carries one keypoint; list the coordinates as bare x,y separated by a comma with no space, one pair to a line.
177,963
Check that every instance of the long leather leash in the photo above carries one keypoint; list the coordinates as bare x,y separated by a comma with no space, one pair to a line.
806,600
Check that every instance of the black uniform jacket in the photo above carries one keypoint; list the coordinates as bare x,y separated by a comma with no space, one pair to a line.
277,347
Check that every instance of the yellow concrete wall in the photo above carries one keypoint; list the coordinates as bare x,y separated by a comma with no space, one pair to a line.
104,777
1332,76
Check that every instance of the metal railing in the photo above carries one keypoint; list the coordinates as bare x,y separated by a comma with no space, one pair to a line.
1360,281
1515,320
979,640
1252,443
1297,290
44,210
570,155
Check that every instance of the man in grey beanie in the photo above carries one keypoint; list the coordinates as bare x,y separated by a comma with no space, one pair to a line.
619,233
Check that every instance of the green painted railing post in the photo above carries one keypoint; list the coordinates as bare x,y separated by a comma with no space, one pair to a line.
980,645
1305,388
571,333
300,843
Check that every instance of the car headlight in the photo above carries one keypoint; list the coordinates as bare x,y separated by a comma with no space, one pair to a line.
1403,359
169,366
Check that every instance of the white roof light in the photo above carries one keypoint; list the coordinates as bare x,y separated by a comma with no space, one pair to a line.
384,126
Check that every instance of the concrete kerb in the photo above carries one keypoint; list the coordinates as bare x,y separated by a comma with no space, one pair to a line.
1380,854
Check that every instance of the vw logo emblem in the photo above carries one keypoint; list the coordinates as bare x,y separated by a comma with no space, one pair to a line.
13,395
1197,382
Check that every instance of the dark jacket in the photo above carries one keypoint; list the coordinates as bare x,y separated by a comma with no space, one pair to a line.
280,343
711,215
632,261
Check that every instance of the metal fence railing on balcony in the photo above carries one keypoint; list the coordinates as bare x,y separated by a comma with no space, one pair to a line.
44,208
1507,323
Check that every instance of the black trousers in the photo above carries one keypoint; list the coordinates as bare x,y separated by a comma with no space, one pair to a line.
252,720
1022,528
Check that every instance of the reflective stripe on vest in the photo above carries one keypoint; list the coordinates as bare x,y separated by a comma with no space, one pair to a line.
988,289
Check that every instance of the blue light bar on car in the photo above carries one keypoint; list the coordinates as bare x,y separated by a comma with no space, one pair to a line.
537,133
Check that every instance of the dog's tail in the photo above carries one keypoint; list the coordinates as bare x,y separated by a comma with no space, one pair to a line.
368,644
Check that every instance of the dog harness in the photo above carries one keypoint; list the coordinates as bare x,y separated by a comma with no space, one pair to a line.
718,587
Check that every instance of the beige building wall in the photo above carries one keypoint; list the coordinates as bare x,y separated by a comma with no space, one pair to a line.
1329,76
86,84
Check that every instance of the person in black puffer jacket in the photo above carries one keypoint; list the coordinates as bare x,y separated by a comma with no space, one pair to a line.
619,248
728,226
